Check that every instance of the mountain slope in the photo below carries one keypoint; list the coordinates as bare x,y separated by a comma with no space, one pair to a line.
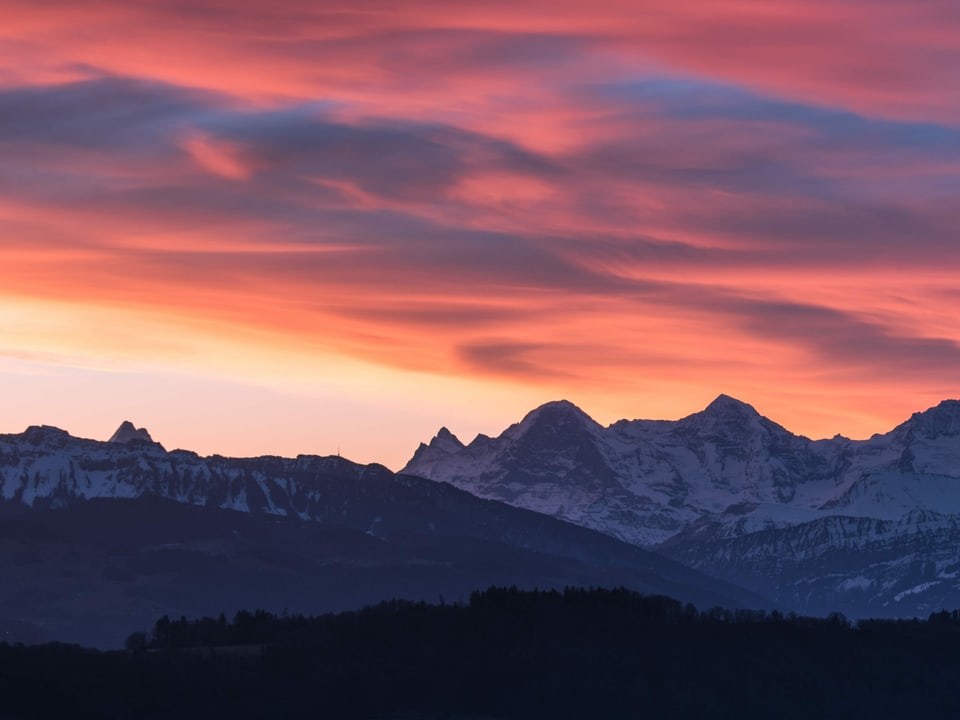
862,566
99,538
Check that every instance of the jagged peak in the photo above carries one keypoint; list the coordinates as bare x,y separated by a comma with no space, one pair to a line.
128,431
446,441
444,434
945,408
443,444
941,420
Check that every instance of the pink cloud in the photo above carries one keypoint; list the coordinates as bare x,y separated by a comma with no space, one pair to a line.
710,196
217,156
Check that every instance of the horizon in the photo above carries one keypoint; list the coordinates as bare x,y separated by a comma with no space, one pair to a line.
399,465
311,229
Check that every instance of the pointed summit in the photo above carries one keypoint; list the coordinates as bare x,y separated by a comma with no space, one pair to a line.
127,432
725,414
443,445
724,406
446,441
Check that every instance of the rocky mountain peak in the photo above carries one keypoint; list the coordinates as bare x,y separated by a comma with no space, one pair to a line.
46,435
446,441
940,421
128,431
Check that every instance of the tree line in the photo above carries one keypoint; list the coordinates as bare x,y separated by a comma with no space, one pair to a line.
505,653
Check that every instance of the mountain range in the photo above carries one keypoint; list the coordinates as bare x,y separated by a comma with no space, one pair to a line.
865,527
99,539
724,507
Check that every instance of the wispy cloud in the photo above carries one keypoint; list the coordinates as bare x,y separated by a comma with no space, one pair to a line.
709,195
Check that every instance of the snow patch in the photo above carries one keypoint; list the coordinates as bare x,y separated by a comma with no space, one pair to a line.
922,587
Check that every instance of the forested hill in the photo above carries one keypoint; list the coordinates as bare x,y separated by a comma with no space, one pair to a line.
506,654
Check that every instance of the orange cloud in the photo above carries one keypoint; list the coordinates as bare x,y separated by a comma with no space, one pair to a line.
636,206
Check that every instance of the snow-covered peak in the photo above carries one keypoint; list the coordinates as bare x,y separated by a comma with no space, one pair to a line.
443,445
646,481
724,411
729,417
561,407
557,414
725,406
128,431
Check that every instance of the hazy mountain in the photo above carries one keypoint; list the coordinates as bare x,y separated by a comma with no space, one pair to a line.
99,539
866,527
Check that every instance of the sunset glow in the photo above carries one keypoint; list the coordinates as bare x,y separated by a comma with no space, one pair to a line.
308,227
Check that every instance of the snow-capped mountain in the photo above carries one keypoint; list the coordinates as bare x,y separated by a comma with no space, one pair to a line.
47,466
737,495
100,538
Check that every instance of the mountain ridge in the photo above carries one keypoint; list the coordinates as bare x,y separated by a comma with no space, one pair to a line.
724,475
96,535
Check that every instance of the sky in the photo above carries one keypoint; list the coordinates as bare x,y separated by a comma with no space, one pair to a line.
319,227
